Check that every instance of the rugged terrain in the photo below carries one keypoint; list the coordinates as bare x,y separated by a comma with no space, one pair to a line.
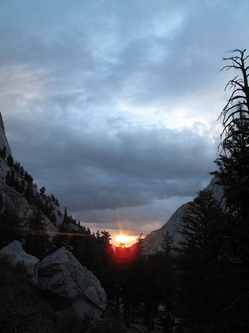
152,243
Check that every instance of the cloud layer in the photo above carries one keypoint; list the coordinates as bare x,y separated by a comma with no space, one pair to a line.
113,105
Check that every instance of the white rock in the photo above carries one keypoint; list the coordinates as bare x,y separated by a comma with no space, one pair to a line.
62,274
3,143
152,242
3,139
17,255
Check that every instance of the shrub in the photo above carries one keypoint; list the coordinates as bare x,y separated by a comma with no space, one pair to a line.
21,307
107,326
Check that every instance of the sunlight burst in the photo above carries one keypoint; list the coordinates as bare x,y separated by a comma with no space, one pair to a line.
121,238
127,240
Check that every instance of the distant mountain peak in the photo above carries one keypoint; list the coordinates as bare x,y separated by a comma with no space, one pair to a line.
152,243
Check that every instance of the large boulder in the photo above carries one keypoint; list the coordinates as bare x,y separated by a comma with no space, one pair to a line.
62,274
16,255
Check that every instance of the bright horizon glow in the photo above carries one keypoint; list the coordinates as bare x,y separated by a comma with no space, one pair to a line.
126,240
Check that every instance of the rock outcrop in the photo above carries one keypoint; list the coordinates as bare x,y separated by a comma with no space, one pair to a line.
15,201
3,145
16,255
3,140
63,275
152,242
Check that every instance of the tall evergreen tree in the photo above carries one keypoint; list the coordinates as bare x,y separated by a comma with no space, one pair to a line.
203,229
10,228
202,226
233,160
36,239
233,176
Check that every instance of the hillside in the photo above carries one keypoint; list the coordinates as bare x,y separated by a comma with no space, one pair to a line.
152,243
20,196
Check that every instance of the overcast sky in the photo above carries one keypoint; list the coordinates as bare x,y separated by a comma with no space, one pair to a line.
112,105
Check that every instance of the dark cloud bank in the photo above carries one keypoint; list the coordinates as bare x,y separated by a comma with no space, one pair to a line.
133,173
113,105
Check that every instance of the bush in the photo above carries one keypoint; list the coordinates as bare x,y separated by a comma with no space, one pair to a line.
69,322
21,307
107,326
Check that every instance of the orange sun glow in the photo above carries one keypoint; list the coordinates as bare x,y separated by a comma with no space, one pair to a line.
125,250
126,240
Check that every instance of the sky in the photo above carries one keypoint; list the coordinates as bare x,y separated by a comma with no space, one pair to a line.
112,105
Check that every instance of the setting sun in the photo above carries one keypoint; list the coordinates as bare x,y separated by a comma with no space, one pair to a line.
126,240
125,249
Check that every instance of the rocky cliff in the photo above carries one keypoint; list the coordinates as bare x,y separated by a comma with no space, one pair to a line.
20,195
28,211
152,243
3,139
5,151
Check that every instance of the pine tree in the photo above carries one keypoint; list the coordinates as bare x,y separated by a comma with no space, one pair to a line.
233,176
233,160
202,226
3,152
36,238
167,244
10,228
203,230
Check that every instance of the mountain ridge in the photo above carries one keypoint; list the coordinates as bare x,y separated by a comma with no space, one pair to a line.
19,194
152,243
13,198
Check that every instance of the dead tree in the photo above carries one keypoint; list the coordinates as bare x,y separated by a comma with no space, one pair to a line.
240,94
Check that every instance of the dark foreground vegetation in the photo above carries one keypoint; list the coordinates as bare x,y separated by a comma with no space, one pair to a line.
200,286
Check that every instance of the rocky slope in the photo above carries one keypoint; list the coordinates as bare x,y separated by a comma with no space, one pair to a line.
3,139
59,273
152,242
20,196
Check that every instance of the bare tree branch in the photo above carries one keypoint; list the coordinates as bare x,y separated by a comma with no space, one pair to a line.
240,298
240,93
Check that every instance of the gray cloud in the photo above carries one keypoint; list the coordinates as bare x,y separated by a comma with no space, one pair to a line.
100,170
112,106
